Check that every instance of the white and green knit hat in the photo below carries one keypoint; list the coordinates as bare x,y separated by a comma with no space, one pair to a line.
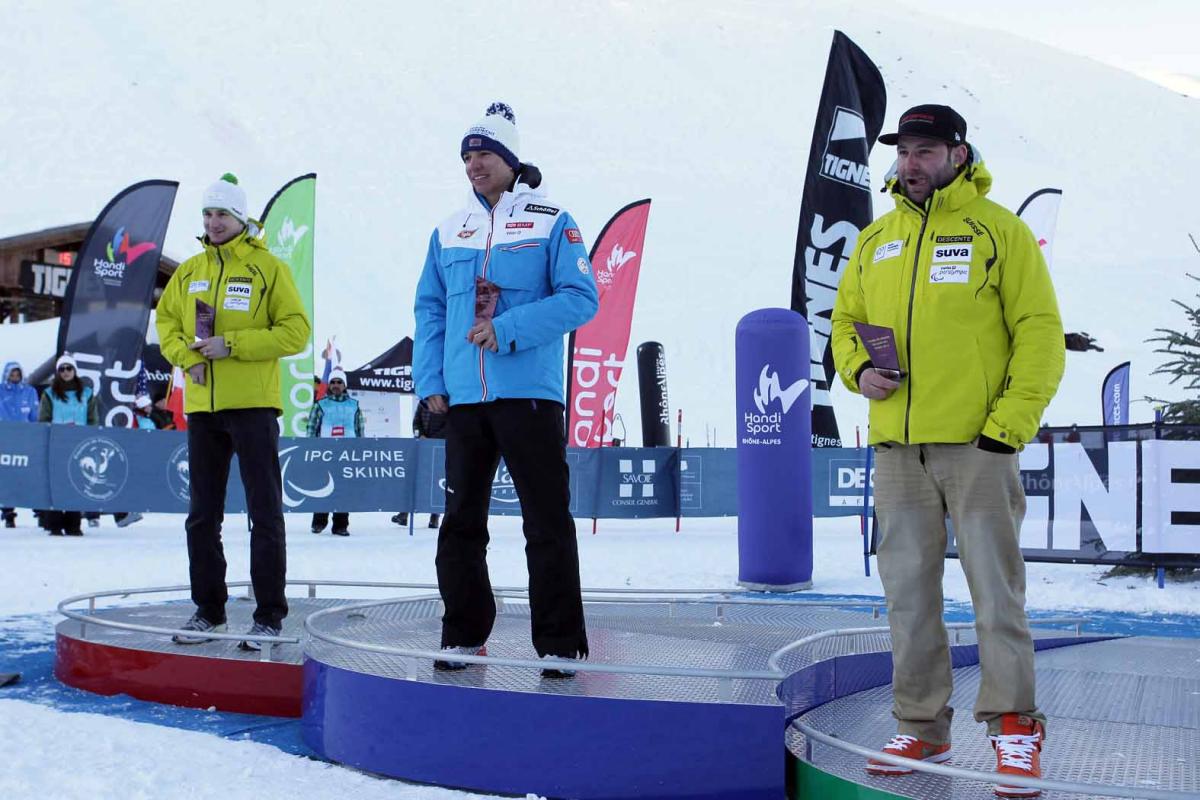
226,195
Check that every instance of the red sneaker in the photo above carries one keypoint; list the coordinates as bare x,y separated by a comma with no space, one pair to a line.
908,747
1018,752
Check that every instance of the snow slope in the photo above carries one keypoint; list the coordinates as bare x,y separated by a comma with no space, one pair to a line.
706,107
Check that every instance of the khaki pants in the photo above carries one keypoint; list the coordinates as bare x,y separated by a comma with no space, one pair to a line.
915,487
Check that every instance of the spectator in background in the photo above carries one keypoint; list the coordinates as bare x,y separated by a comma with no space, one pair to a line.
335,416
68,401
319,388
142,417
18,403
164,420
426,424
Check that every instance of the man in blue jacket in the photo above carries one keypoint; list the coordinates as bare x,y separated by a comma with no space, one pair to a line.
505,279
18,403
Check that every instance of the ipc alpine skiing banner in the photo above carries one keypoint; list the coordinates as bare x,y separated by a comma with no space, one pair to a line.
1114,396
288,223
1040,213
598,349
107,304
836,206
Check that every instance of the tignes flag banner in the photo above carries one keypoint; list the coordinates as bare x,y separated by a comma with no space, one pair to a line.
107,304
835,207
289,221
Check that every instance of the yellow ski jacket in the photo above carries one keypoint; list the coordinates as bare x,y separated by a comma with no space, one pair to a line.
258,311
963,285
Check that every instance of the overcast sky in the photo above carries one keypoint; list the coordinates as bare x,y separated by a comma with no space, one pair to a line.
1143,36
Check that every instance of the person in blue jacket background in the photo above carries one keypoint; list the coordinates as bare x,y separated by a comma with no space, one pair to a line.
336,416
67,401
505,279
18,403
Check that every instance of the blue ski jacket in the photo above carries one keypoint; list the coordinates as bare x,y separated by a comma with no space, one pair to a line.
530,248
18,401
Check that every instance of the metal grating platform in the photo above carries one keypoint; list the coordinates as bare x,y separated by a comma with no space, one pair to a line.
1124,712
703,635
171,615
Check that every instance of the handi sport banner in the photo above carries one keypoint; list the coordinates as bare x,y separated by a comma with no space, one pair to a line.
107,304
597,350
836,206
289,221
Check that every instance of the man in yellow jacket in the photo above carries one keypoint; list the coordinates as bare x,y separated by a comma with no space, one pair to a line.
979,344
250,316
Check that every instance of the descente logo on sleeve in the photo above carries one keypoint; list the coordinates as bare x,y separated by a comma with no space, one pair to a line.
534,208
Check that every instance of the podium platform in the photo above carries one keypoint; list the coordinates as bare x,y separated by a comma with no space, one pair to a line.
1123,721
703,695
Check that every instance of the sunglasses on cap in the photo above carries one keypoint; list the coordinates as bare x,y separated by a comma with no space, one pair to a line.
66,368
338,381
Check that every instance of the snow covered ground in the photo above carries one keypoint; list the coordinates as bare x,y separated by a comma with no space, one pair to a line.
111,756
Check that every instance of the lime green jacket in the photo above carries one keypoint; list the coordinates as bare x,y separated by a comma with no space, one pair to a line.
963,285
258,311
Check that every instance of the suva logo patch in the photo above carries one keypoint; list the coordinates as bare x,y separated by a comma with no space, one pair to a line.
960,253
98,468
845,156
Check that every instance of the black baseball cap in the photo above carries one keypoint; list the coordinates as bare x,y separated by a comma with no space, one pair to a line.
932,122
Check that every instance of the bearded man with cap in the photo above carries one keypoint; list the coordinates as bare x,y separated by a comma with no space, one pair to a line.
505,279
962,284
250,316
335,416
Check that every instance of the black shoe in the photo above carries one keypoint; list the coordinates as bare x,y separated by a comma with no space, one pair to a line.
54,532
258,629
75,532
434,521
340,531
443,665
558,672
318,528
401,518
201,626
10,522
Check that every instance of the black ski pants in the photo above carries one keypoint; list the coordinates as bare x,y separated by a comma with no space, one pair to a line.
529,434
213,439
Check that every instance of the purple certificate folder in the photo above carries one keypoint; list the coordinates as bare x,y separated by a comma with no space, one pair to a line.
206,315
881,345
